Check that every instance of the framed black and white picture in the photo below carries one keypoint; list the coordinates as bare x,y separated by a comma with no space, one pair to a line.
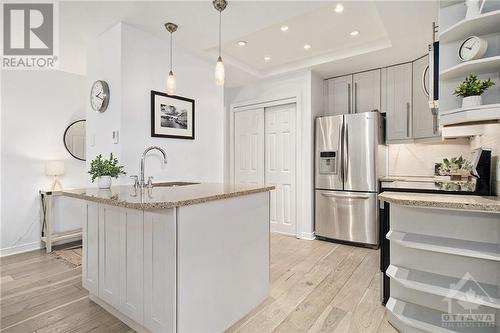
171,116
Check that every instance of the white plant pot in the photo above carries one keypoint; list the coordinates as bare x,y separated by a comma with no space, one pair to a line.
471,101
104,182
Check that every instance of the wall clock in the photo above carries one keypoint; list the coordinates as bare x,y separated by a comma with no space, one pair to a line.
472,48
99,96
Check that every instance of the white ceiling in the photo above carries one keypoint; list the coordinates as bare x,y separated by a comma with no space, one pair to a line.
390,32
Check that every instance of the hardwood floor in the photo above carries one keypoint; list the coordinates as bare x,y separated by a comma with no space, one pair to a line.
315,287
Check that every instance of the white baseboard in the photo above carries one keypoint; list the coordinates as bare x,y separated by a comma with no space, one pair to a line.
8,251
308,235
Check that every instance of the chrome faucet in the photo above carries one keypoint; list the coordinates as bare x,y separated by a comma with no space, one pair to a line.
141,181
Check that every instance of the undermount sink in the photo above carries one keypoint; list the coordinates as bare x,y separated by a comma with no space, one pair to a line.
173,184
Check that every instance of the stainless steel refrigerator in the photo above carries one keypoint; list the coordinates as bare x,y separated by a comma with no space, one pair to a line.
350,158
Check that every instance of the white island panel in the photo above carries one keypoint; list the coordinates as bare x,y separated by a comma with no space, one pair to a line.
223,261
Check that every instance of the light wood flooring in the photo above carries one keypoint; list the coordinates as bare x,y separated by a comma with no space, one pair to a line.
315,287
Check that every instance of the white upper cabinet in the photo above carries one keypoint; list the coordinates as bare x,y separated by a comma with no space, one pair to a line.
339,95
397,92
366,91
425,122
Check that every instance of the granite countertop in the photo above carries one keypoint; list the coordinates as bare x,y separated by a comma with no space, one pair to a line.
429,179
164,195
466,202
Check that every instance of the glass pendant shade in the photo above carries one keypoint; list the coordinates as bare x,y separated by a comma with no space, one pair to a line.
219,72
171,83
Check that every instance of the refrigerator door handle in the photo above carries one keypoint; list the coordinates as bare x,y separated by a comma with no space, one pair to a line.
349,196
346,154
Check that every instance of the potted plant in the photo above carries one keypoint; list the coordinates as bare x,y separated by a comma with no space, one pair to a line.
457,168
471,90
104,169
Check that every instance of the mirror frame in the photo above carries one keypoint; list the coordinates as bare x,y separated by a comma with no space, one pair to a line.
64,138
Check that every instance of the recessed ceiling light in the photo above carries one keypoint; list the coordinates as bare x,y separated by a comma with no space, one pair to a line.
307,47
284,28
354,33
242,43
339,8
267,58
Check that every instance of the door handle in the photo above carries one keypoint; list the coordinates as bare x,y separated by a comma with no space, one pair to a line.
344,196
408,119
349,98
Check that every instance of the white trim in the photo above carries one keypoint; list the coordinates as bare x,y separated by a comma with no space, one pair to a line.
8,251
308,235
268,102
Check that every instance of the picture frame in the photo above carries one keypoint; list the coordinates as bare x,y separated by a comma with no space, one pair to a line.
172,116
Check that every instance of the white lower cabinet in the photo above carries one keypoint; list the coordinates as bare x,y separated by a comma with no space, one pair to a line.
129,263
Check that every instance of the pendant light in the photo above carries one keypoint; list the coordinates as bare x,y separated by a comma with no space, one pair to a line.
171,27
219,5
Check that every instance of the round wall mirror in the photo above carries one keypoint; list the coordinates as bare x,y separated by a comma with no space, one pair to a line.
74,139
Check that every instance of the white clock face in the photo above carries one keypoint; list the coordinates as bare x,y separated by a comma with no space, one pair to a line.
99,96
472,48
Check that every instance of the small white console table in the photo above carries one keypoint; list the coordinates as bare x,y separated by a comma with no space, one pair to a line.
47,218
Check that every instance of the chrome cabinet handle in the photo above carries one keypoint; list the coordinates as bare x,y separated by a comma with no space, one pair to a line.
355,97
331,195
408,119
349,98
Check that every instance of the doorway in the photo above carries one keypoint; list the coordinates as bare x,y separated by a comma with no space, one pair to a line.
265,154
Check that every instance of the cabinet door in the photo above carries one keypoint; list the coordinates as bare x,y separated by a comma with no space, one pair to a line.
131,263
425,124
397,95
109,255
339,95
90,240
366,91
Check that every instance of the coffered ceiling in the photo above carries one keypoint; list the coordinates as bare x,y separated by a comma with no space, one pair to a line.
389,31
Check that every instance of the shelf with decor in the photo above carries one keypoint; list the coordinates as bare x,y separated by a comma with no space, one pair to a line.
479,66
483,24
480,113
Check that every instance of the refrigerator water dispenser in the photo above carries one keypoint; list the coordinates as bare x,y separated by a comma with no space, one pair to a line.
328,162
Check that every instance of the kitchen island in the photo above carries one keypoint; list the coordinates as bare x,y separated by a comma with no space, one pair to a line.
178,257
444,262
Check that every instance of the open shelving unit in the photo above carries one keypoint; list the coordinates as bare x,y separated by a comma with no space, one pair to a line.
455,29
437,284
460,247
466,115
479,66
426,319
481,25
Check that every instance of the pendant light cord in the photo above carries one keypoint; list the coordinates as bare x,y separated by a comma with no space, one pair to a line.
171,51
220,33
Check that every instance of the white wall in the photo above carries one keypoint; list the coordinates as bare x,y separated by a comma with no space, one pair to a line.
143,66
37,106
299,84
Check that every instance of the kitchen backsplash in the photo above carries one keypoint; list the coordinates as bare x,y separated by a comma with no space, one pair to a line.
418,159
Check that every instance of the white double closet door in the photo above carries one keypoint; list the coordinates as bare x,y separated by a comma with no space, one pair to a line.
264,153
